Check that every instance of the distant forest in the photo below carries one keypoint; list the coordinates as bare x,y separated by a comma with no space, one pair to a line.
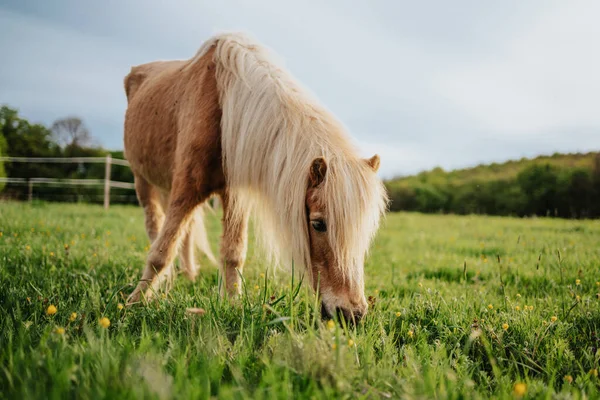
561,185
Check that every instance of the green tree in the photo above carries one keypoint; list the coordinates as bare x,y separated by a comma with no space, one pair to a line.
26,140
578,191
539,183
595,177
3,147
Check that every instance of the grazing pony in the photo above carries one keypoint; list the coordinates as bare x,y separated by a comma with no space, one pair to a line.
231,122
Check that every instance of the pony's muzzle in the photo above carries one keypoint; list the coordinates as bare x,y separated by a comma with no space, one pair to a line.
350,316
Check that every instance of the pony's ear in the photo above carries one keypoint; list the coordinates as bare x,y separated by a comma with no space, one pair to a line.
374,162
318,169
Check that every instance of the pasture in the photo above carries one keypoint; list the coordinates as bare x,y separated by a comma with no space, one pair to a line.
461,307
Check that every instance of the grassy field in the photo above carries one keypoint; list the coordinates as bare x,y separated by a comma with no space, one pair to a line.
462,307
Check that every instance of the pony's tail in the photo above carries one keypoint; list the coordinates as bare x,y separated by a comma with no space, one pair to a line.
200,235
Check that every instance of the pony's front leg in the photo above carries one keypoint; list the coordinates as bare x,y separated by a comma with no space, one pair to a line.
164,249
234,245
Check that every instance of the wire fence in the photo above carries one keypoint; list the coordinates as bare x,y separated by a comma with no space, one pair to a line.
38,187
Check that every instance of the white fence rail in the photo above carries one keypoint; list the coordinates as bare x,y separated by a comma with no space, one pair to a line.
106,182
86,160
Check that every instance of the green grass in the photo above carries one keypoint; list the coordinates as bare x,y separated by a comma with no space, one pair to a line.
441,289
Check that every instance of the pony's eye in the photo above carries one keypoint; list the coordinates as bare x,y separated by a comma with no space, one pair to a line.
319,225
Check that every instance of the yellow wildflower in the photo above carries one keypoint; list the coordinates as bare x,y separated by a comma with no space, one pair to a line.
28,247
594,372
491,307
505,326
518,296
330,324
578,298
104,322
568,379
51,254
73,317
411,334
553,318
60,331
51,310
120,306
398,314
518,308
578,282
350,342
520,389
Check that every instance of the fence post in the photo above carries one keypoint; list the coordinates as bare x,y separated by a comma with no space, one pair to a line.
30,192
107,182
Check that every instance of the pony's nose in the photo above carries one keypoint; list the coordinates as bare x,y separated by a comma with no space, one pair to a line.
351,316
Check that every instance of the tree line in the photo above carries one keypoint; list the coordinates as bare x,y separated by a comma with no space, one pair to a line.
66,137
561,185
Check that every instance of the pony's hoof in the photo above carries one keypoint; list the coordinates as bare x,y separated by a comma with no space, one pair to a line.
191,275
133,298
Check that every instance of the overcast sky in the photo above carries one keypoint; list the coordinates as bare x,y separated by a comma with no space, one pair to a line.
422,83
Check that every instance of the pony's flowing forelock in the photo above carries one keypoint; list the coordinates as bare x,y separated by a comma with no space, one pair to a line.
272,130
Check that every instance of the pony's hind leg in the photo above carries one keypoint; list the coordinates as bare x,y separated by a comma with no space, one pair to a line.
186,254
234,245
150,200
196,237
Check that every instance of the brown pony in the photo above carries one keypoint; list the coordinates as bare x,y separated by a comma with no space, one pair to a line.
231,122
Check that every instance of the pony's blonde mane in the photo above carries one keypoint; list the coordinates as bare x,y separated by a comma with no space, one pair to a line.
272,130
